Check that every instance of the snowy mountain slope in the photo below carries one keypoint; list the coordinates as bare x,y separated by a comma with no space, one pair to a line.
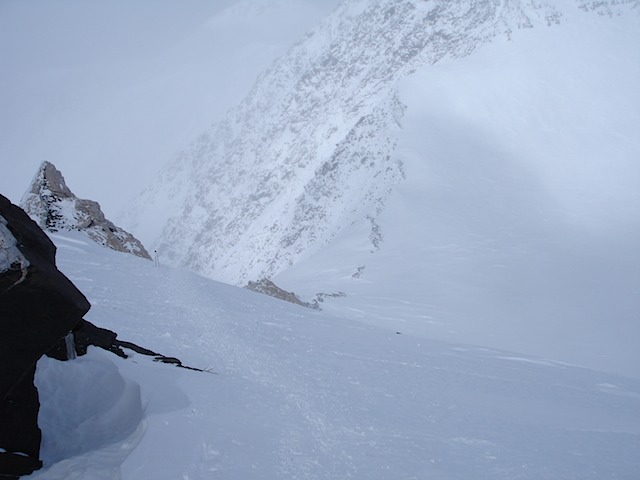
295,393
517,224
491,168
310,149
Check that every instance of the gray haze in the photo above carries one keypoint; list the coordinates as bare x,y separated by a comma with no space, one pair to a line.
110,91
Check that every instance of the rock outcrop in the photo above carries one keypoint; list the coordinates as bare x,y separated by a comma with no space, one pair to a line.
267,287
50,202
38,307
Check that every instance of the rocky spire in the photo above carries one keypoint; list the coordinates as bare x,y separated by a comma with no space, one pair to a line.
54,207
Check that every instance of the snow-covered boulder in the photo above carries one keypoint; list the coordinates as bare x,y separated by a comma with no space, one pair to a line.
54,207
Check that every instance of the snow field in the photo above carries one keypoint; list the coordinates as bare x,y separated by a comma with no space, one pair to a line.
294,393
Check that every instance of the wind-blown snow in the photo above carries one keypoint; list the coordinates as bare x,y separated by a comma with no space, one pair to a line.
294,393
87,407
517,223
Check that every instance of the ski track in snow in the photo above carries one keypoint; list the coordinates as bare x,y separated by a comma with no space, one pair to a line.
294,393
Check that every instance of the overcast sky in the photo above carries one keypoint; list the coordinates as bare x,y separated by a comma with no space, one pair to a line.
110,91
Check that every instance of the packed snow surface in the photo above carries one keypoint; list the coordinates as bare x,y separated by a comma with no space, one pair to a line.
293,393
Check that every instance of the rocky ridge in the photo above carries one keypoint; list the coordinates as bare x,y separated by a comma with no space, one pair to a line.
52,205
267,287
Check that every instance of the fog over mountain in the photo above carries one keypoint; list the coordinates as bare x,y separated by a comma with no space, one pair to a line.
109,92
449,192
449,166
460,170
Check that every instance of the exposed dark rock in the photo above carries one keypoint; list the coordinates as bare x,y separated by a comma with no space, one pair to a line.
38,306
321,296
359,272
267,287
50,202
